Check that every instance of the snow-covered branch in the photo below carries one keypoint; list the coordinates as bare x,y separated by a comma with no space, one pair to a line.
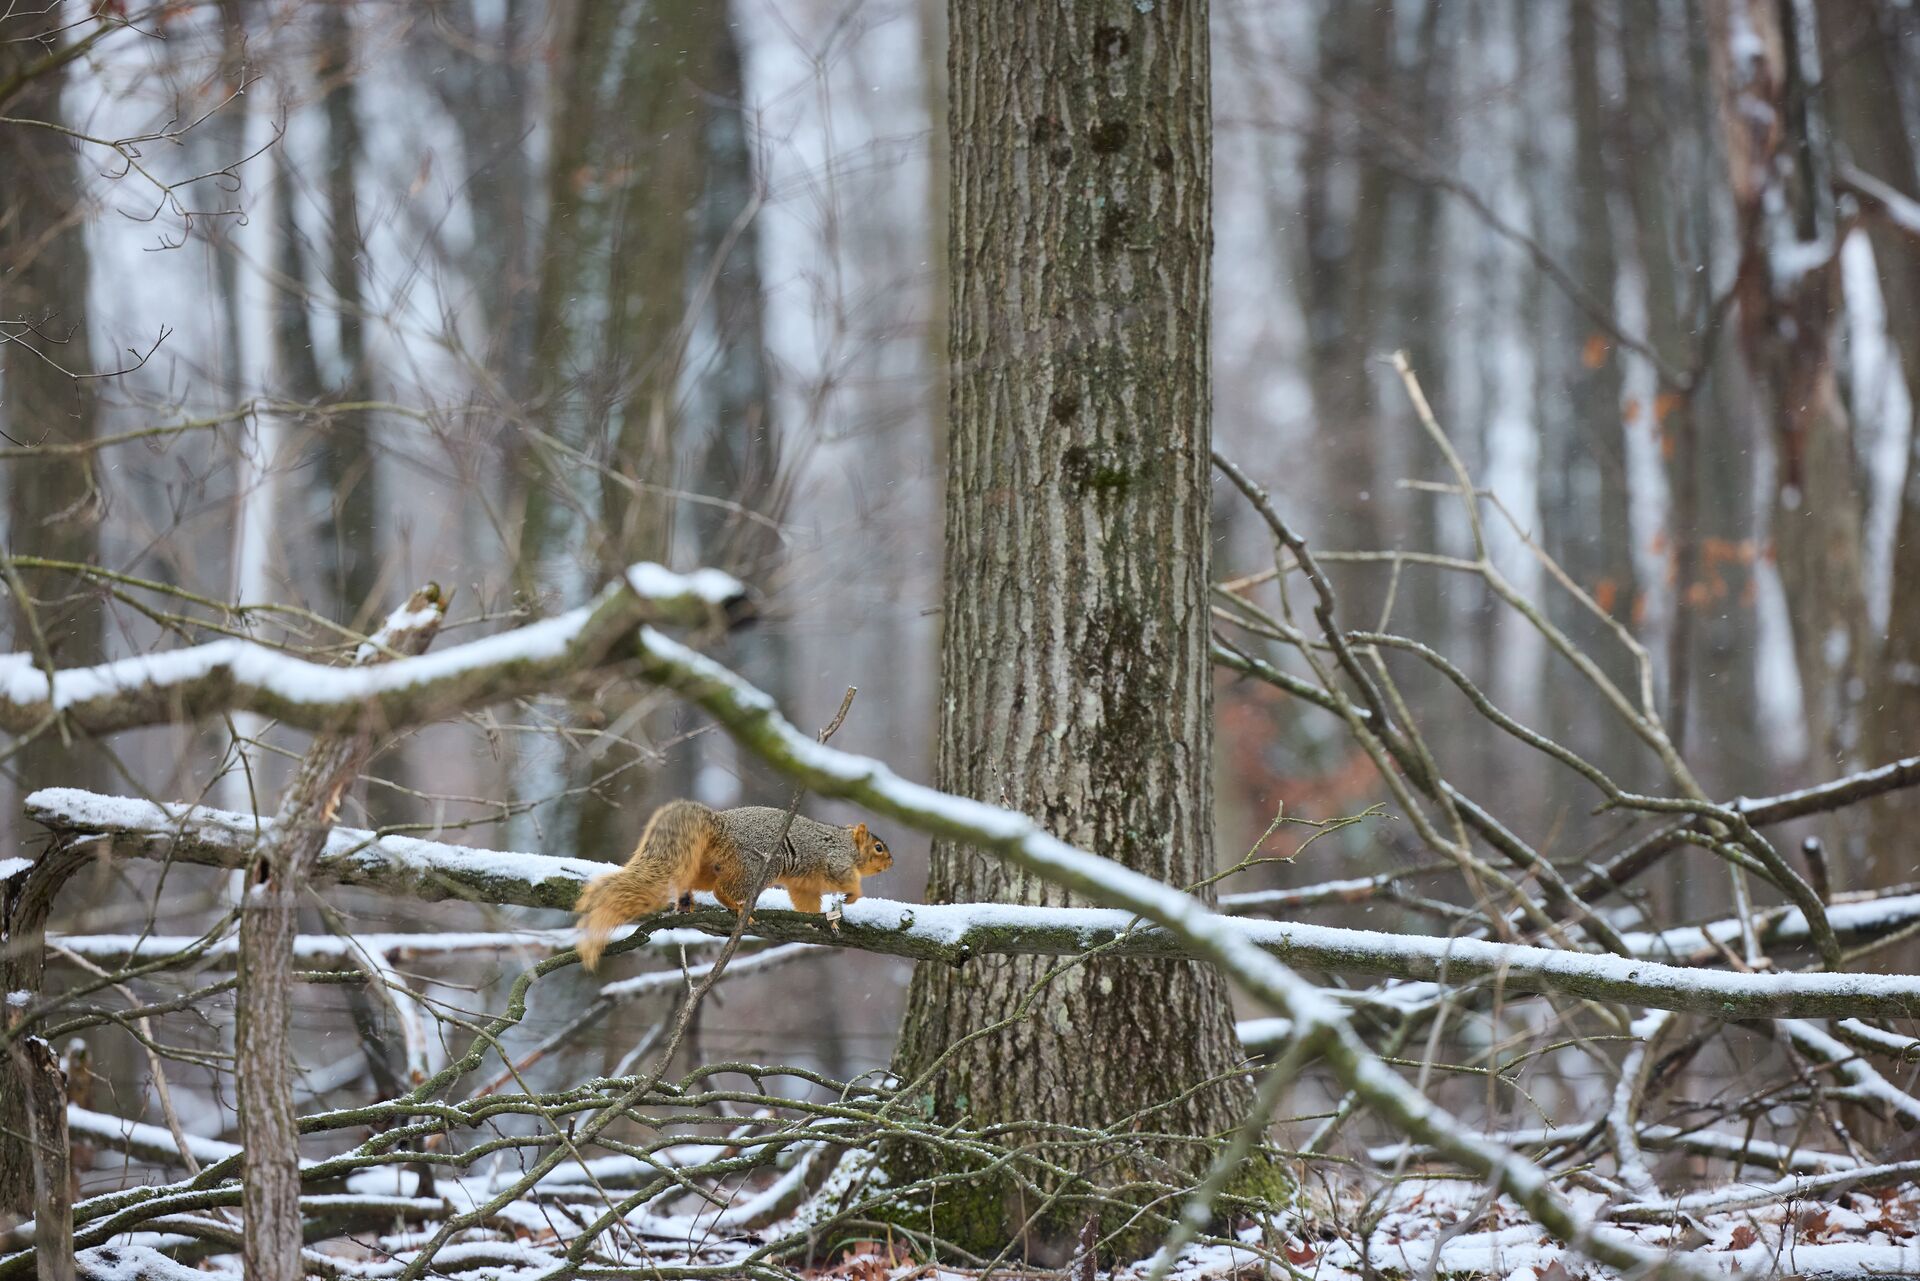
402,865
137,1139
332,951
751,716
1854,923
1901,211
953,932
238,675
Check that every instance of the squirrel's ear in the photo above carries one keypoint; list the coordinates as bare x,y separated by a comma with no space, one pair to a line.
859,833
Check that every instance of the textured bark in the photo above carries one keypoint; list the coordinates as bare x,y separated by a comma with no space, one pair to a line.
1075,669
52,1162
933,43
25,901
263,1043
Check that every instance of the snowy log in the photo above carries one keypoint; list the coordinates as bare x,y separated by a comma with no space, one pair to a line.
137,1139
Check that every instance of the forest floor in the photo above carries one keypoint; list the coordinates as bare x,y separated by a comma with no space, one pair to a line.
1438,1229
1852,1235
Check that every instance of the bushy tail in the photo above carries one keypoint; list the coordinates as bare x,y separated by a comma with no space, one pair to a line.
664,861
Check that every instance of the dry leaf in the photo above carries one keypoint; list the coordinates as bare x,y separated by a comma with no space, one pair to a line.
1606,594
1743,1236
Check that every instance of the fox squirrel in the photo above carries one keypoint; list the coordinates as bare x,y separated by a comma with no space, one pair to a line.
688,846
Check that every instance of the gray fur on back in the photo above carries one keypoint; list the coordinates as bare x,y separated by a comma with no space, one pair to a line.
810,843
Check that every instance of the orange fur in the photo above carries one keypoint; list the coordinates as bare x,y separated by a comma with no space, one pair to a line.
668,862
685,848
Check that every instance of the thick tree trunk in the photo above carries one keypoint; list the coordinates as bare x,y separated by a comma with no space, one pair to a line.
1074,659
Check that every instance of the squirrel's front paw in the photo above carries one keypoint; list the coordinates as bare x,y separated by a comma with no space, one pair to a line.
685,902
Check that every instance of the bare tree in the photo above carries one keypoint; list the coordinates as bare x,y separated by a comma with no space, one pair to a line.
1074,651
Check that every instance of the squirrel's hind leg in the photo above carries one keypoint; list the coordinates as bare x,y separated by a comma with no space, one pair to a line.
732,889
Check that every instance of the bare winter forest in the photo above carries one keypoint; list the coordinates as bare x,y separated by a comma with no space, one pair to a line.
1360,559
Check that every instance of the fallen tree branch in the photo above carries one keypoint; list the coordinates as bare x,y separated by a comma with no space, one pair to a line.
237,675
1741,1150
150,1143
1841,792
1897,209
1644,853
119,949
956,932
1746,1196
1856,922
751,717
399,865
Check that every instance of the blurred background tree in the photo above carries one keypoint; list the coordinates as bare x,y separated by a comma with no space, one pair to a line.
503,293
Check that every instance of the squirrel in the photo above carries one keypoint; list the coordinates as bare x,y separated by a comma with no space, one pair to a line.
687,846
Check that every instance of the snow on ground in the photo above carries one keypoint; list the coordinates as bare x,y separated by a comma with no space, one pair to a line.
1418,1228
1857,1234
